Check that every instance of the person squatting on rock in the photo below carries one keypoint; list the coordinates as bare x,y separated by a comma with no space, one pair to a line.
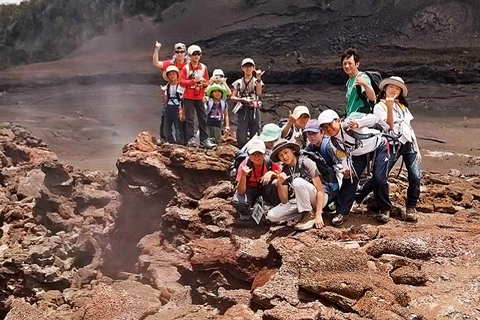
179,60
255,178
293,129
194,78
270,134
172,128
299,187
350,64
217,112
357,141
321,144
392,107
246,94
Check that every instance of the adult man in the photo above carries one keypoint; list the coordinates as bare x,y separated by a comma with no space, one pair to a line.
246,92
254,179
350,64
356,140
299,186
194,78
178,58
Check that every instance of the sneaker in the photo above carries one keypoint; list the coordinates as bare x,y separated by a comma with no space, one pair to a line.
410,214
383,215
208,144
339,219
307,222
192,143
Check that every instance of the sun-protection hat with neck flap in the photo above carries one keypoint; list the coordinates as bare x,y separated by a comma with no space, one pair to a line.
395,81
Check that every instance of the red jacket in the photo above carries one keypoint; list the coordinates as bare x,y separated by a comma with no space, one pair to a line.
192,91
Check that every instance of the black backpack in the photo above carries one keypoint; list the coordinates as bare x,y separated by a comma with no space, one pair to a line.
327,172
375,79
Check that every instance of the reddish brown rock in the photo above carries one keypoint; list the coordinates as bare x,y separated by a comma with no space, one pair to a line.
238,312
409,275
127,300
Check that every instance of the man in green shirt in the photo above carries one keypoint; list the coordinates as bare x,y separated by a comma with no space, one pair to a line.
350,63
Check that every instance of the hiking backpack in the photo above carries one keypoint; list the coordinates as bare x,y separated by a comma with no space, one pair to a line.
329,177
375,79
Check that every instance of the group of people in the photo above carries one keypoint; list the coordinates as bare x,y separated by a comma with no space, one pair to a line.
298,169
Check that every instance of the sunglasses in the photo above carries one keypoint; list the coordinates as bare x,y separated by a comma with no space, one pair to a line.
179,51
196,53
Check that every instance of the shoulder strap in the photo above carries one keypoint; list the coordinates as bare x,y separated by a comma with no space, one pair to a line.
269,164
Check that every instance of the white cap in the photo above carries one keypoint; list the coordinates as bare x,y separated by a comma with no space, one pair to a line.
193,48
256,145
248,60
298,111
327,116
218,72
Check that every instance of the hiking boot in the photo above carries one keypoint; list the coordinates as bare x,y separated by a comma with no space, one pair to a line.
330,208
410,214
307,221
383,215
192,143
208,144
339,219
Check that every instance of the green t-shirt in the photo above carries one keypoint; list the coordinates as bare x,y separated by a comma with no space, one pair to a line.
354,102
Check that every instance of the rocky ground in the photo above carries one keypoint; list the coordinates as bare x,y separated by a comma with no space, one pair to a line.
160,240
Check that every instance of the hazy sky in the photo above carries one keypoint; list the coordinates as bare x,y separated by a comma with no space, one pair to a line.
10,1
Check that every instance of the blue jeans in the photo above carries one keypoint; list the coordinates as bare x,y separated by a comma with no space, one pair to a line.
378,183
414,175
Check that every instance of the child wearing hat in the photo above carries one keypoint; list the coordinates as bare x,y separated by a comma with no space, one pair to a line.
255,178
392,107
293,129
299,188
246,92
218,77
357,140
172,102
270,134
217,112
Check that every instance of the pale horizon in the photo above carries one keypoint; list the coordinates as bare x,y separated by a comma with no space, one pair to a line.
11,1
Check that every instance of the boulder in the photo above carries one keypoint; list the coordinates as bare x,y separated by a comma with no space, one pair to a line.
409,275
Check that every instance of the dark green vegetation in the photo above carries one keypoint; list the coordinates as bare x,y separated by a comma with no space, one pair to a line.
46,30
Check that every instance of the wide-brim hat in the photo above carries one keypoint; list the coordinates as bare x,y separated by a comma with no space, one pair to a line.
169,69
215,87
270,132
218,72
397,81
280,145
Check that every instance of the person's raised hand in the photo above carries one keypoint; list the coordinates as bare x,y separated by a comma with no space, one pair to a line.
259,73
389,101
359,81
346,172
245,171
291,118
157,44
352,124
